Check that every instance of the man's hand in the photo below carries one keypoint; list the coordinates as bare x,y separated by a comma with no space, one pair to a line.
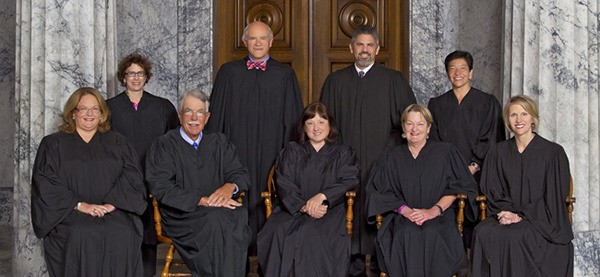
314,206
507,218
221,198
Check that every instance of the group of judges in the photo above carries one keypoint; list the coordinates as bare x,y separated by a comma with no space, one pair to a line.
92,180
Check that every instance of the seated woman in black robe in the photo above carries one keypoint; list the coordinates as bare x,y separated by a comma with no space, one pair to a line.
525,180
306,233
87,194
414,186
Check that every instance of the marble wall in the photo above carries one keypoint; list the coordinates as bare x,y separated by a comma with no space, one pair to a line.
7,116
177,38
439,27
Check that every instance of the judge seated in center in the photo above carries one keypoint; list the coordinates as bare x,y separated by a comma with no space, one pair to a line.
195,177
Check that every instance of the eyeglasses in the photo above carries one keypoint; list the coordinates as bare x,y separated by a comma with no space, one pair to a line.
85,110
139,74
199,113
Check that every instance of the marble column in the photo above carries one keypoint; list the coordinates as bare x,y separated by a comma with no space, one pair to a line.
551,54
62,45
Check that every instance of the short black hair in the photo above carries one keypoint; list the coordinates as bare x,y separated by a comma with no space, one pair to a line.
458,54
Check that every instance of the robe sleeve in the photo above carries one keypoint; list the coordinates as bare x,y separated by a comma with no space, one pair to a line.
491,132
492,186
161,170
51,200
382,197
233,170
218,101
347,179
128,193
403,97
434,134
292,108
172,116
290,195
460,180
549,214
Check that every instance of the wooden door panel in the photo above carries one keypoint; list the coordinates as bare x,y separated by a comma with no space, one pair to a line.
312,36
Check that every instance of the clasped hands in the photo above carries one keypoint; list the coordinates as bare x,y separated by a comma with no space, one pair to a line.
96,210
507,218
314,206
420,216
221,198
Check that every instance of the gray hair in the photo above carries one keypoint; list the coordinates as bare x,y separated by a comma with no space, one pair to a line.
245,34
365,30
196,94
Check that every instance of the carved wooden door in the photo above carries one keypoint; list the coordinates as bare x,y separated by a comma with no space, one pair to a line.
312,36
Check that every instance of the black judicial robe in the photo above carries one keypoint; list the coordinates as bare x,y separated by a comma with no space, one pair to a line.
258,111
315,247
404,248
368,113
68,170
533,184
472,126
153,118
211,241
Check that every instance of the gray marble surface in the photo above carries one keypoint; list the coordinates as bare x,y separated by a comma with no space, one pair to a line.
440,27
7,89
587,253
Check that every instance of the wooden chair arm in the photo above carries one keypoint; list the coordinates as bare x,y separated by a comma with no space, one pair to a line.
460,217
482,206
268,203
350,195
570,201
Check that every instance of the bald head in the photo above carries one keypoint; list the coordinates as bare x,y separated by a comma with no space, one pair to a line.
258,38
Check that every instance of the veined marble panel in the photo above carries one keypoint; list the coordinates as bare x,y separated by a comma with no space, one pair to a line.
587,254
176,36
440,27
7,105
150,28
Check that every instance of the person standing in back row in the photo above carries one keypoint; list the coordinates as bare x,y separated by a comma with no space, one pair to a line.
256,103
141,117
367,99
466,117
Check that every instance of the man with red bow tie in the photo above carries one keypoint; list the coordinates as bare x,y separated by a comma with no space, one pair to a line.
256,103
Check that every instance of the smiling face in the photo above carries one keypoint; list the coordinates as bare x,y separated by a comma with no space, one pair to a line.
133,79
193,116
258,41
520,121
87,114
365,49
416,128
459,73
317,130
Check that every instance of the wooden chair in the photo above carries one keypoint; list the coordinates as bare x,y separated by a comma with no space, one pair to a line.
569,201
267,195
164,239
460,218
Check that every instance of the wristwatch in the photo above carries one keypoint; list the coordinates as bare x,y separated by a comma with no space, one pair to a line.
475,165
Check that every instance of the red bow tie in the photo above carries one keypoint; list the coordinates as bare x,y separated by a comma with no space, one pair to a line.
262,65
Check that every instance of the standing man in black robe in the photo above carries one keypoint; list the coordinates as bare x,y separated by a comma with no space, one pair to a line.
194,177
466,117
367,99
256,103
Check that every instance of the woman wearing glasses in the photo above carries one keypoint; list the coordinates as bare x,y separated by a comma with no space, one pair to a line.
87,194
141,117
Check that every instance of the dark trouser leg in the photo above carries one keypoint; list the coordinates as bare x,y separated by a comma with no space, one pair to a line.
149,259
357,266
